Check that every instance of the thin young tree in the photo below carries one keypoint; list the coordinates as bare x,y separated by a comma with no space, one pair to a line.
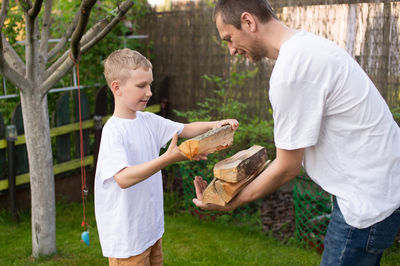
34,76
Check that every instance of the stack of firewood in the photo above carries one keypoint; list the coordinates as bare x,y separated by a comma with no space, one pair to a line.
232,174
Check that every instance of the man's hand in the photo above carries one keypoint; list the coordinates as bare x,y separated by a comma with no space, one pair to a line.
233,122
200,185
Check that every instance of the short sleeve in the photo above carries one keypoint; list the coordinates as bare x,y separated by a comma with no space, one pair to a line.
297,110
164,128
112,155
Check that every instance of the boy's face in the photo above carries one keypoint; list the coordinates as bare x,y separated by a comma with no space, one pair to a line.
135,92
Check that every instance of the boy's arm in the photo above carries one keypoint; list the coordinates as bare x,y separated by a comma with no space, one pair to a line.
197,128
132,175
282,170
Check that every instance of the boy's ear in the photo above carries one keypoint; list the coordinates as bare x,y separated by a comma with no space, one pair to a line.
115,87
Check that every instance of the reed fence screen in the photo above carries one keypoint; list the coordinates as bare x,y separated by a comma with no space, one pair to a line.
185,45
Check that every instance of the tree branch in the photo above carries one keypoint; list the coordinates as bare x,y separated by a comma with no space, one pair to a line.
93,31
85,9
3,12
56,64
45,29
8,53
90,34
25,5
11,57
95,37
33,12
31,47
56,75
65,37
9,72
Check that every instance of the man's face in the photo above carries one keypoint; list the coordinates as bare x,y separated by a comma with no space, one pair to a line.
239,41
135,91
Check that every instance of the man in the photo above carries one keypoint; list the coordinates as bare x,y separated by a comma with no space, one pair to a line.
329,118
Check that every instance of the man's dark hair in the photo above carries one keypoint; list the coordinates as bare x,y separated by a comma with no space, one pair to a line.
231,10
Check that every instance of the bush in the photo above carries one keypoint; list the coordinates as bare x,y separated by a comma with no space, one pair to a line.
396,114
252,131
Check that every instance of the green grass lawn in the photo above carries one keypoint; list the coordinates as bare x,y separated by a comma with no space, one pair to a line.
187,241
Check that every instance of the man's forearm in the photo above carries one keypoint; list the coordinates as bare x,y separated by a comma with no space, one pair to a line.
267,182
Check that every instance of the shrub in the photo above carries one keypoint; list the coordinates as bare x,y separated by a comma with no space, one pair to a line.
252,131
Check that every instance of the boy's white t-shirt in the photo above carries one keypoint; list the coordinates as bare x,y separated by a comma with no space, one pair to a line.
324,102
130,220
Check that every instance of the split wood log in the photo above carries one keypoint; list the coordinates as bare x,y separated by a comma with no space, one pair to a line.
241,165
209,142
227,190
220,191
210,195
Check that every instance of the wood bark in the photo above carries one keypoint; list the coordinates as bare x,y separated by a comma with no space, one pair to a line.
38,144
240,165
209,142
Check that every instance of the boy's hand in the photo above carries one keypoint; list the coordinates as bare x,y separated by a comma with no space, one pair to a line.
175,155
233,122
173,152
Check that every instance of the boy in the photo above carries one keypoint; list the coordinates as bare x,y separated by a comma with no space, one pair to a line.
128,184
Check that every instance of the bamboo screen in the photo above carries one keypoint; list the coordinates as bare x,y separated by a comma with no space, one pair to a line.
185,45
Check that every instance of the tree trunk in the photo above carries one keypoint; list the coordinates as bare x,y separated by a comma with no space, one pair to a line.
35,81
38,142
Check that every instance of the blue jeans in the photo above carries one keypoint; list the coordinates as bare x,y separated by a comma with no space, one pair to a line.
348,245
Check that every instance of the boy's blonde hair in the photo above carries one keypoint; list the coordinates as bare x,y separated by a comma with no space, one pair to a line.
119,61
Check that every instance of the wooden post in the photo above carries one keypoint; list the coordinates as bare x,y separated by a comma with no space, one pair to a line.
100,111
3,151
98,127
63,117
11,136
21,153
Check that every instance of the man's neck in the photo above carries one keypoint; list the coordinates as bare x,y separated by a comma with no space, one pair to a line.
274,34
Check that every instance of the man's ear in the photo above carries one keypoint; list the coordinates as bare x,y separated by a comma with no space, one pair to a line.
115,87
248,21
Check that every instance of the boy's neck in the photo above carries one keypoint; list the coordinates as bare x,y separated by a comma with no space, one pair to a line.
124,115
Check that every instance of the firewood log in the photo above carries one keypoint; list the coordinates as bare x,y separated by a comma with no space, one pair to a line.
241,165
209,142
210,195
227,190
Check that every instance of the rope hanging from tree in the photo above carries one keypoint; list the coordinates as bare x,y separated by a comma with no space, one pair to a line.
84,188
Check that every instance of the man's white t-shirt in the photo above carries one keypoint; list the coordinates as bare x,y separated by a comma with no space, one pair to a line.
130,220
324,102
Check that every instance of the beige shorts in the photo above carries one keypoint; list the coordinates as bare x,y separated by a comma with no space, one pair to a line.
152,256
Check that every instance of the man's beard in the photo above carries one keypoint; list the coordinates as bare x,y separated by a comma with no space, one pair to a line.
256,54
